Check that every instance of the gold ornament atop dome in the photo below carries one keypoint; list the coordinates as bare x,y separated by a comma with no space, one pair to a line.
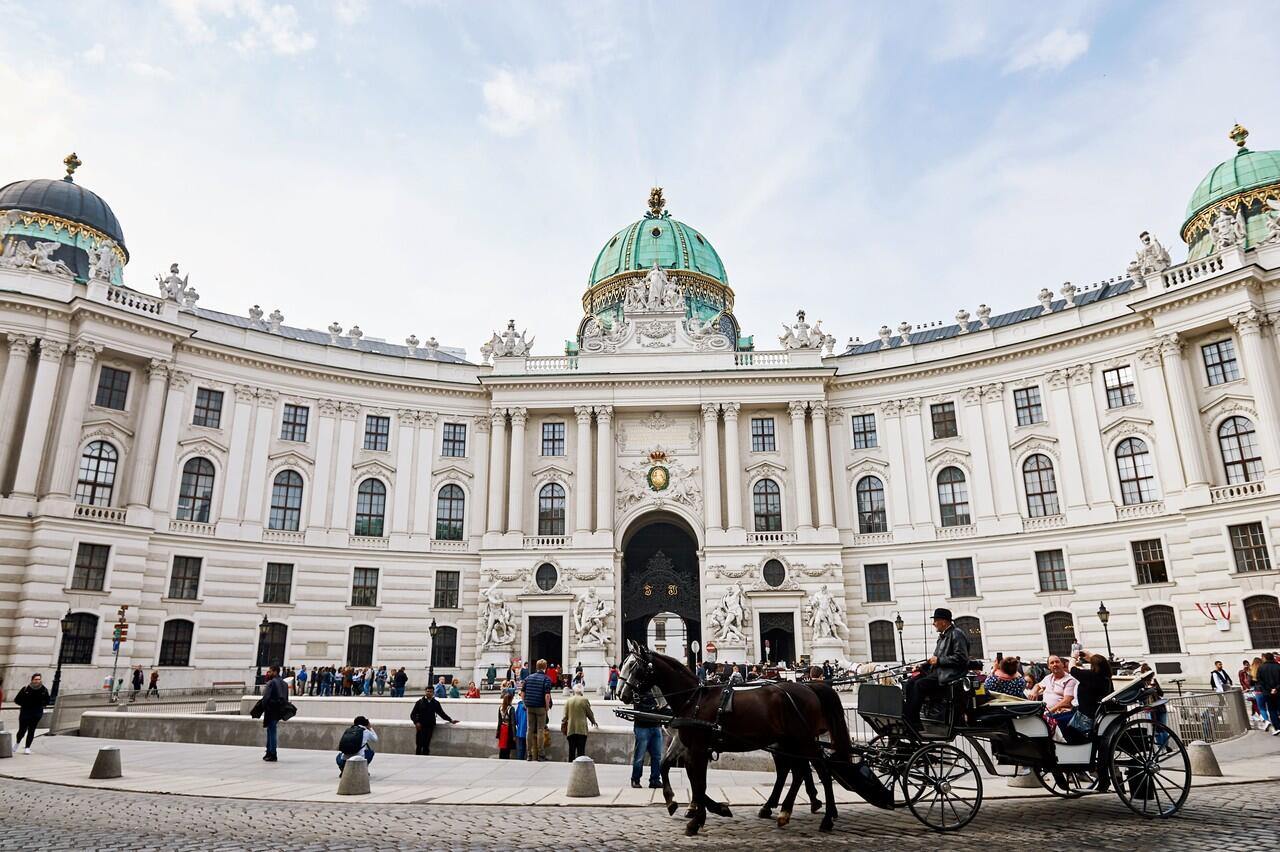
657,203
72,162
1237,135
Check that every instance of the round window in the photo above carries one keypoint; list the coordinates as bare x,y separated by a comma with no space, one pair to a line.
774,573
546,576
657,232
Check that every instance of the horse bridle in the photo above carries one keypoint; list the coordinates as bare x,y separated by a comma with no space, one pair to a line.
639,688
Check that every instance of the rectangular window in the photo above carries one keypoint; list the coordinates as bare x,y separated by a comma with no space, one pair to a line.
1052,570
877,580
763,437
944,420
364,587
279,586
1220,362
377,432
553,439
1119,384
113,388
294,425
447,589
90,574
1026,402
960,576
864,431
1248,545
454,442
184,582
1148,558
208,408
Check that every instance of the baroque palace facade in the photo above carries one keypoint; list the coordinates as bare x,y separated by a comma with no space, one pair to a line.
256,492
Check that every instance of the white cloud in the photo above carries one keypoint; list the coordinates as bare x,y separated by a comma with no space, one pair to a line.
146,69
1053,52
95,54
271,26
350,11
517,101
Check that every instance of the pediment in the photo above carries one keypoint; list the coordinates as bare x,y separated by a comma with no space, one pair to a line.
452,471
106,428
1033,438
550,471
202,444
765,466
867,462
1131,424
955,454
374,467
1227,399
287,458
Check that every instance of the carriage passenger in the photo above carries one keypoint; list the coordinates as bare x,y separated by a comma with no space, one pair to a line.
1007,679
1095,684
1058,692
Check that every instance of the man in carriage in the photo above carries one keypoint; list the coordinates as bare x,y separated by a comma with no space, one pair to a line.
949,664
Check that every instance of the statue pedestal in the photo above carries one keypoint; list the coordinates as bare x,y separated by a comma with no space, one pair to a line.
595,666
827,649
497,655
729,653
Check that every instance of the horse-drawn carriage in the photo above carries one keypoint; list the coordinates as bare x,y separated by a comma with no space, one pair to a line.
921,767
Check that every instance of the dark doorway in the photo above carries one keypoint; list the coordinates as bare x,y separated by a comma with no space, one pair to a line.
660,574
778,633
546,639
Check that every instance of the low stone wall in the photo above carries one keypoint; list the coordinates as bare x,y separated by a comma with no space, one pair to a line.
482,711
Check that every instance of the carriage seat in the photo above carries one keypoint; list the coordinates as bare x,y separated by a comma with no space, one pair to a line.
1007,707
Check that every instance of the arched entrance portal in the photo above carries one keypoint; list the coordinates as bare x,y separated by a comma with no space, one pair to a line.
660,578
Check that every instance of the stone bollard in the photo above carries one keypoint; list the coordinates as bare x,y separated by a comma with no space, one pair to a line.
1202,759
211,706
354,780
6,742
107,763
1025,779
582,779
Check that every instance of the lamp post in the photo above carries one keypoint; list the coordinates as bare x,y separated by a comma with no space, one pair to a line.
431,656
66,625
899,623
1104,615
262,652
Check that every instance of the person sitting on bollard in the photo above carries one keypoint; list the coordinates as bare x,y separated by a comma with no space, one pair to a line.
359,737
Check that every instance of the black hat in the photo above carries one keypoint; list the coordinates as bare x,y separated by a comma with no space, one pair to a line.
942,612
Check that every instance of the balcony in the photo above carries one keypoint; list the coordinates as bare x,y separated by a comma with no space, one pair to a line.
1047,522
283,537
439,545
1140,510
368,542
101,514
547,542
191,528
1192,271
762,359
771,538
1239,491
551,363
872,539
948,533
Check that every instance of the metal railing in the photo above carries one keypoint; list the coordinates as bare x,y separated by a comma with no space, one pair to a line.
1209,716
64,717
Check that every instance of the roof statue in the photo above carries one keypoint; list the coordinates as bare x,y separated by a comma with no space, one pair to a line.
801,335
1152,259
508,344
102,260
18,254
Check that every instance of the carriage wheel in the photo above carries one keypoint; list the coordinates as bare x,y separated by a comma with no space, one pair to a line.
887,755
1150,770
944,789
1078,782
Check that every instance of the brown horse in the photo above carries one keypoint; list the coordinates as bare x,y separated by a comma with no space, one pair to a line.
784,717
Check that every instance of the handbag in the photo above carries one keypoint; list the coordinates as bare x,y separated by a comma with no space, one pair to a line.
564,726
1080,722
546,739
504,736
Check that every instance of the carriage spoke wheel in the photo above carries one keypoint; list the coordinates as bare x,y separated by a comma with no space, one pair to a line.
1078,781
887,757
1150,770
944,789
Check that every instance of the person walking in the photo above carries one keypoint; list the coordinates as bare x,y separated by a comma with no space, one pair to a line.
423,716
153,688
491,674
399,682
648,734
577,712
359,737
537,702
275,698
522,729
300,680
31,701
381,679
1219,678
1269,681
137,682
506,735
613,680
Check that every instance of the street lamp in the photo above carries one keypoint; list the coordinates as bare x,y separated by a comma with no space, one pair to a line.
67,623
1104,615
431,655
262,652
899,623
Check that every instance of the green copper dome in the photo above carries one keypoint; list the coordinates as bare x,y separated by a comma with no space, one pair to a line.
1245,171
1240,187
657,238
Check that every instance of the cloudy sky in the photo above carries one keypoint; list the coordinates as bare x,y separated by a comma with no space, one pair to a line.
435,168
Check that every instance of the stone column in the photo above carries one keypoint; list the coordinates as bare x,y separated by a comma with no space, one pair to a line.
899,502
39,411
822,463
175,409
406,435
342,484
256,492
1069,473
711,463
238,454
982,488
67,457
605,464
515,501
582,473
1186,417
800,458
1261,372
15,371
838,430
497,447
424,501
1004,489
734,497
476,500
923,492
1155,399
322,482
1085,409
145,445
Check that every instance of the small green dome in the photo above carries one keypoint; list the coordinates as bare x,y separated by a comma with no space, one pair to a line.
657,239
1245,171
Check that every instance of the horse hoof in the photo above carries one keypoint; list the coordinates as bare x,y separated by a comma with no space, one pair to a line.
725,812
826,824
783,819
814,807
765,813
691,813
691,829
672,807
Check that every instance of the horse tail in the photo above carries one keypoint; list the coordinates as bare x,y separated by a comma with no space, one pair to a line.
837,725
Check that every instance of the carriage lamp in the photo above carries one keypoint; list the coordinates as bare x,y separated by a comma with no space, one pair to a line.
67,623
899,623
263,627
1104,615
432,629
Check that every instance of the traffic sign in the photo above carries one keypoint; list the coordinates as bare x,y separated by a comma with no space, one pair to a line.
711,647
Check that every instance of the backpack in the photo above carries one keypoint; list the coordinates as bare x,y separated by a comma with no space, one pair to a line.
352,740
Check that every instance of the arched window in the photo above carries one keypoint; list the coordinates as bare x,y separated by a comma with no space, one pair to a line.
97,474
972,628
953,497
1239,446
1060,631
450,509
871,514
1262,614
1162,630
444,648
286,501
175,643
1133,465
371,507
77,643
882,648
766,500
360,645
271,645
195,494
1042,489
550,510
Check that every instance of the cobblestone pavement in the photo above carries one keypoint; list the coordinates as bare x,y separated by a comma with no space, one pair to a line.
52,817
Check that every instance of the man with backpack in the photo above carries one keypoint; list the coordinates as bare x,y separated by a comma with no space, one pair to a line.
359,737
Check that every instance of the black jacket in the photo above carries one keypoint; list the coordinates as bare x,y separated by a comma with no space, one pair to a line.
1269,676
952,652
426,710
32,699
275,697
